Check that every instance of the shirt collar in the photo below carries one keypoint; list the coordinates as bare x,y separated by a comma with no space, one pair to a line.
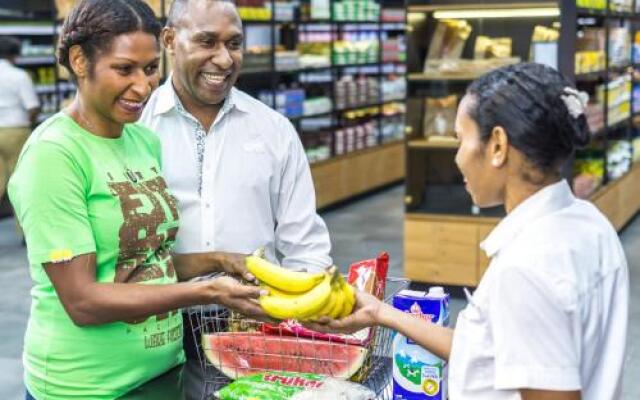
5,63
168,100
546,201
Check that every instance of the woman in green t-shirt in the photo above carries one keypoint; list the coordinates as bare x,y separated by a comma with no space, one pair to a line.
99,221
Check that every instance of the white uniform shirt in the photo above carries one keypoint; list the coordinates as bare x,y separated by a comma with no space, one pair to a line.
17,96
551,311
243,185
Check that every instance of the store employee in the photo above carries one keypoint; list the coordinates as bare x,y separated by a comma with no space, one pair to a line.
237,167
549,318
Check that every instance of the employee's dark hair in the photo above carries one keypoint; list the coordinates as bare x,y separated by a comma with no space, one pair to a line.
93,24
525,100
9,47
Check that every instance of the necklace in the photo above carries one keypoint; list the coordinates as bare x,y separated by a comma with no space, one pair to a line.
123,157
123,154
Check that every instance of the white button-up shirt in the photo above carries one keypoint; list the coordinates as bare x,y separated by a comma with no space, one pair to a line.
17,96
551,311
244,184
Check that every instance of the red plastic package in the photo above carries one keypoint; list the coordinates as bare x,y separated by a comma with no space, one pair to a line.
368,276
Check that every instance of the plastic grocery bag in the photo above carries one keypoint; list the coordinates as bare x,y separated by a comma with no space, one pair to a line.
336,389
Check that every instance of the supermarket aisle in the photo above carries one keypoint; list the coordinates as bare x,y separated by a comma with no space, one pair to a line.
359,230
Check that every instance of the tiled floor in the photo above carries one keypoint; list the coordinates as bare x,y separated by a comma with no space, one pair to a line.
359,230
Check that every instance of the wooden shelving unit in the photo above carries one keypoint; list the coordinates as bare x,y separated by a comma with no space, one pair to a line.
342,177
442,241
444,143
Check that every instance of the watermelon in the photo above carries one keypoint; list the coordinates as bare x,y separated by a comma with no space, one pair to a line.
238,354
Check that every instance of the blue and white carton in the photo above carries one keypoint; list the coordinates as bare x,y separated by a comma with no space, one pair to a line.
418,374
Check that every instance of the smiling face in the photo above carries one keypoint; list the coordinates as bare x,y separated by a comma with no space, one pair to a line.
121,79
482,163
206,50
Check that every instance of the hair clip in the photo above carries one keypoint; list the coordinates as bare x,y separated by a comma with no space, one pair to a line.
576,101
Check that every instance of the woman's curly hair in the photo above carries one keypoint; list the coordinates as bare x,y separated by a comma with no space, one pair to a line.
93,24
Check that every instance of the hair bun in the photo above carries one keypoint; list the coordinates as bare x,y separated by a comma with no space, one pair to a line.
77,36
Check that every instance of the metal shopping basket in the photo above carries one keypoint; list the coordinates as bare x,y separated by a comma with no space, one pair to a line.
247,350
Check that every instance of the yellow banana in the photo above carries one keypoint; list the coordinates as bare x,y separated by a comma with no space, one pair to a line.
350,299
330,303
278,292
302,306
339,301
281,278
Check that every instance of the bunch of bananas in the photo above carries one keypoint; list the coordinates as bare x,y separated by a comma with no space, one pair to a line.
301,295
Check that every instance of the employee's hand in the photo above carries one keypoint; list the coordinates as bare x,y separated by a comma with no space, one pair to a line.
234,264
367,312
232,294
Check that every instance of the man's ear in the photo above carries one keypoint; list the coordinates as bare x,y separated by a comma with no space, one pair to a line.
498,147
168,37
78,62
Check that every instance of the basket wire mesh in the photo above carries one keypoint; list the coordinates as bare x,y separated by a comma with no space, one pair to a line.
285,351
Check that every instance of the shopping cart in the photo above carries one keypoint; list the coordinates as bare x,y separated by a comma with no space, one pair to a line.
375,372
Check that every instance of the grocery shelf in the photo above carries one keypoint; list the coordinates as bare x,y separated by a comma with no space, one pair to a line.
440,76
438,208
312,69
591,12
590,76
265,76
620,69
363,106
417,8
318,115
35,60
627,15
52,88
358,65
26,30
434,143
348,175
612,127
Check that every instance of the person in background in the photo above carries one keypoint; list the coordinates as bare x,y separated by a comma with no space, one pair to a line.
236,166
100,222
549,318
19,108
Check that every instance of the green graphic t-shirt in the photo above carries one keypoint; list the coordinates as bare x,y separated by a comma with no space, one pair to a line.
76,193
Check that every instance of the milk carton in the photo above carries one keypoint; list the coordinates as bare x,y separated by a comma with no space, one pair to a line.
418,374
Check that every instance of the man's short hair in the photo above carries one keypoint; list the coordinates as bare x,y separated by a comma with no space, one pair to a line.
179,7
9,47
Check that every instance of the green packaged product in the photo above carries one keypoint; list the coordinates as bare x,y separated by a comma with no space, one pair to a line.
269,386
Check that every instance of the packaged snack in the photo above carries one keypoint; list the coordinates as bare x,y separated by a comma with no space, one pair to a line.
269,386
292,386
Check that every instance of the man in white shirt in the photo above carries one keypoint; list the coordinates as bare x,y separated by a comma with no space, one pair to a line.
19,107
237,167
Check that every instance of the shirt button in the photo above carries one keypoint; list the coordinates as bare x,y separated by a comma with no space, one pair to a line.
209,244
207,205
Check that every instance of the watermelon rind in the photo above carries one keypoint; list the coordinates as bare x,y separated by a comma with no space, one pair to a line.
238,354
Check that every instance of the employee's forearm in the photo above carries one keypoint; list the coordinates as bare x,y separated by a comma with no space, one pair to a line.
436,339
101,303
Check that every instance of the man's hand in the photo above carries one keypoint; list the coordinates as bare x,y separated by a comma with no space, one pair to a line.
193,265
366,313
243,299
234,264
